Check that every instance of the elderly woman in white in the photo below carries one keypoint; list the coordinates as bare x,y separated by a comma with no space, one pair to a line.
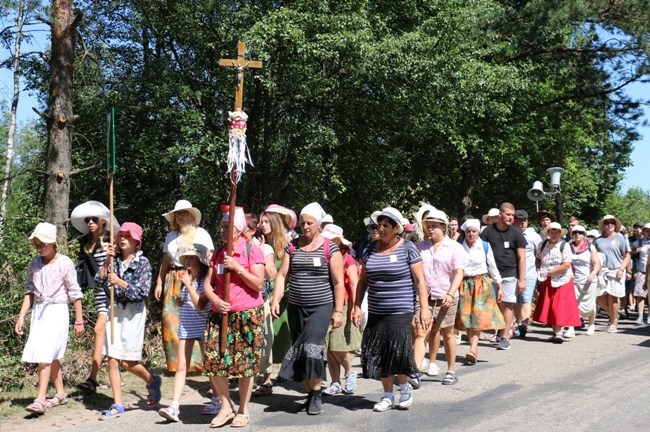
477,304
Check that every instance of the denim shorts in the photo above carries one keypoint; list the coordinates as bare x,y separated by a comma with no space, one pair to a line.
527,296
509,289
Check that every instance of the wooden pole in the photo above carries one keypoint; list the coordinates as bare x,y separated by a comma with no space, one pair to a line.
240,64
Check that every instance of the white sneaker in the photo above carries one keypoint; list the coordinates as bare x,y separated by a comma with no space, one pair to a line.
459,339
591,330
384,405
639,321
570,332
433,369
405,399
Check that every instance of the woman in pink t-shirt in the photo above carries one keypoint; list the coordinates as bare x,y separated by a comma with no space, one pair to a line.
241,357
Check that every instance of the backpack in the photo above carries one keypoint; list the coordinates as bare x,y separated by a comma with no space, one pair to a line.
486,246
562,244
326,248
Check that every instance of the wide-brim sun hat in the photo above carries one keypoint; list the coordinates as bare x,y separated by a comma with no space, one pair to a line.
197,250
471,223
45,232
646,226
334,232
90,209
183,205
554,226
617,225
593,233
288,216
491,213
545,213
394,215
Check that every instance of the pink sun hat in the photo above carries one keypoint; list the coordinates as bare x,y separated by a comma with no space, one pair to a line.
288,215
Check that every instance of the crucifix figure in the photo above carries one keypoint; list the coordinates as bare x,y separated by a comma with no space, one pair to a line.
237,158
240,64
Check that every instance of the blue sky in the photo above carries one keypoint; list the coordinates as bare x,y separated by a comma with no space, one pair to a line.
635,175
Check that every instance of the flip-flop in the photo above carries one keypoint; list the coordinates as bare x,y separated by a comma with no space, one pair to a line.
222,419
88,385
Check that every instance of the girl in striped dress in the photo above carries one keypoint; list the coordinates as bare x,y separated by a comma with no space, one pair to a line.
193,318
92,219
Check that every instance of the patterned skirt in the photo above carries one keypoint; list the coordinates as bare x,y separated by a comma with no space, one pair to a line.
306,358
387,346
245,341
477,306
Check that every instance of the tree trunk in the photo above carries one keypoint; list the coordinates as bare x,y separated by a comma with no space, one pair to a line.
12,126
59,145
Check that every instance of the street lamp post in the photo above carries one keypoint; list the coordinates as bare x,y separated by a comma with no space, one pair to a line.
537,194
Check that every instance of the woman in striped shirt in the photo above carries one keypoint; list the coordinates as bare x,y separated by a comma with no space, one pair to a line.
313,267
391,274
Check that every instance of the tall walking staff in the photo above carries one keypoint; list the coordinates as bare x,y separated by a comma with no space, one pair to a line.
110,167
238,156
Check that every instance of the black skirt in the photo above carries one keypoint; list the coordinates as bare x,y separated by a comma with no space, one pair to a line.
387,346
306,358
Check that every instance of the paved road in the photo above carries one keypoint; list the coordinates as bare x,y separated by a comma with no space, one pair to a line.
596,383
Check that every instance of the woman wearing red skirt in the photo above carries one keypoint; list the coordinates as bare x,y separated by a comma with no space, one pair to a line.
557,303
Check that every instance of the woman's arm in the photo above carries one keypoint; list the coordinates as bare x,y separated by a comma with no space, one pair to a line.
278,285
164,268
336,272
270,272
352,271
595,265
423,294
253,277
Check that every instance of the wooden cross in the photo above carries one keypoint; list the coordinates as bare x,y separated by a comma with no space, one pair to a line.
240,63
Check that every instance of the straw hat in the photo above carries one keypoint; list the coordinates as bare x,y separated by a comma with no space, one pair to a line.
544,213
437,216
554,226
601,223
45,232
334,232
90,209
187,206
491,213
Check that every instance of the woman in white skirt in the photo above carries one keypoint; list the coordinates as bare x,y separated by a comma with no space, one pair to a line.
51,286
131,280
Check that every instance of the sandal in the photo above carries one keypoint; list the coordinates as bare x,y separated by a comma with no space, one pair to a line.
263,390
113,412
449,379
222,419
37,407
240,420
154,395
471,357
57,400
213,407
350,383
88,385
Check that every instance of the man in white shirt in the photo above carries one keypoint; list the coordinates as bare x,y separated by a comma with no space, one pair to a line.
523,308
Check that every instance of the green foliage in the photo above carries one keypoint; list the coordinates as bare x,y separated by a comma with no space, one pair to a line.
629,208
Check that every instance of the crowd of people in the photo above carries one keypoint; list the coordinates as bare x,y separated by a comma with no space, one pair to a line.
407,286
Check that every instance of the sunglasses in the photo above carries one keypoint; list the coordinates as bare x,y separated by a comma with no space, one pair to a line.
94,219
372,227
609,222
577,232
39,246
